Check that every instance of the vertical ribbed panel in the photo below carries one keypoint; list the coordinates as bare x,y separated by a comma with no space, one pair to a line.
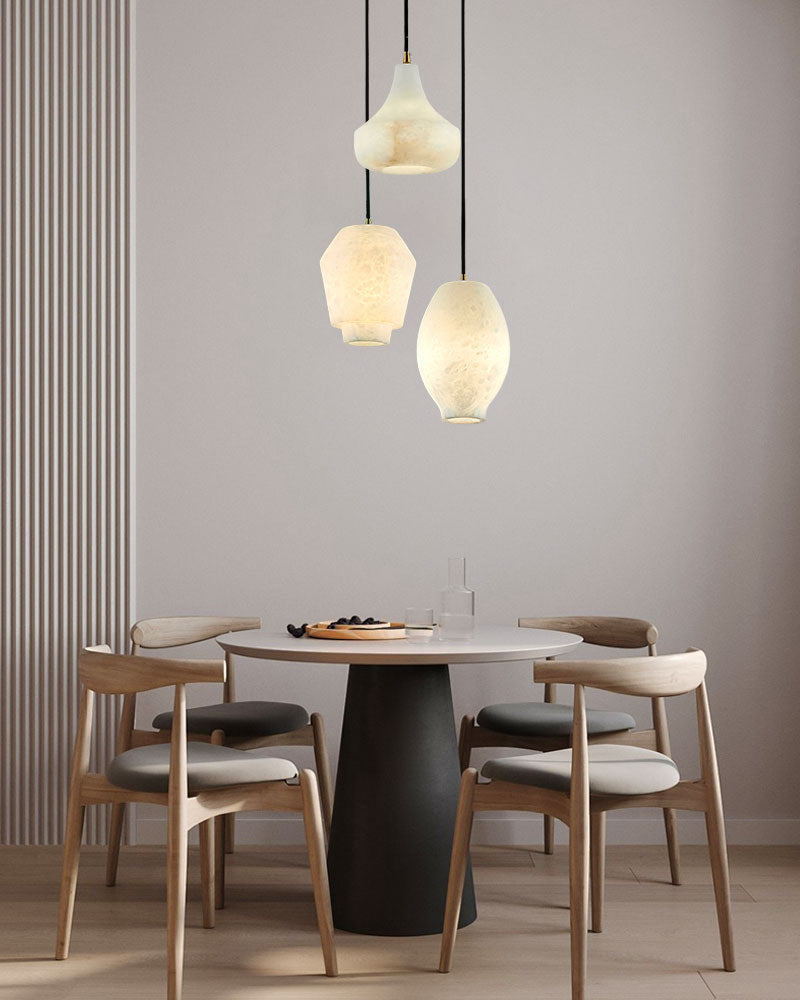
65,449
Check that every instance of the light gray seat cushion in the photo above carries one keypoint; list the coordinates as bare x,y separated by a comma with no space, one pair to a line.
613,770
241,719
536,718
146,769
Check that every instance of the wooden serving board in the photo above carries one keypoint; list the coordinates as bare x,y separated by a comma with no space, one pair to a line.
392,630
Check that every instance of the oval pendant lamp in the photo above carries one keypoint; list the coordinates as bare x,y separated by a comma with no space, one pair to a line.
463,348
367,270
407,135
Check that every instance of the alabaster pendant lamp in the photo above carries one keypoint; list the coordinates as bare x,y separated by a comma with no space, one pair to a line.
367,273
407,135
367,270
463,348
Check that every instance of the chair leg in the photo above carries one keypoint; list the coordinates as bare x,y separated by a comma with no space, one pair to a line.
177,850
225,829
115,828
718,851
323,769
219,862
458,866
673,845
230,833
578,908
549,834
207,865
598,868
465,741
218,739
315,842
69,875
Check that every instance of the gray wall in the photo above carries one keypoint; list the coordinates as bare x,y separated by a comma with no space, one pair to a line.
633,182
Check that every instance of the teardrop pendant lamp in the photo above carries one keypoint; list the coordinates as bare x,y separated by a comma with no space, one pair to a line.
367,270
463,348
407,135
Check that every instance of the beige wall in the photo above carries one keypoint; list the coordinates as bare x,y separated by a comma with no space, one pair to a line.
634,172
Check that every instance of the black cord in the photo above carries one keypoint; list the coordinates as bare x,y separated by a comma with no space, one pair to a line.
405,27
366,92
463,167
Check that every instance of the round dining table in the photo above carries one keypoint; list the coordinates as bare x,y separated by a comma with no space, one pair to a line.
398,772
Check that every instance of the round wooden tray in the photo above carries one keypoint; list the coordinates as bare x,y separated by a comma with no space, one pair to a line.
384,630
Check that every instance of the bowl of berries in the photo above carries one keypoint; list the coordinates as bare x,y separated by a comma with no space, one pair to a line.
350,628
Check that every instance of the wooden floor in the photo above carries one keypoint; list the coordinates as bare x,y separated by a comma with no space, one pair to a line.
660,941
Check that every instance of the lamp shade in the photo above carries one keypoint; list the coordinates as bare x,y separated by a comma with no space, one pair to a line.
463,350
407,135
367,273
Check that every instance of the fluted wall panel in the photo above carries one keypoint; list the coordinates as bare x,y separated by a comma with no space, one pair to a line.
65,442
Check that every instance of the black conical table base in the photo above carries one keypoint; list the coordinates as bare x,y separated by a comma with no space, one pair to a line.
395,805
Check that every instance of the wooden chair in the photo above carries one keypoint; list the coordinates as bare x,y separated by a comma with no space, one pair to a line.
196,782
579,785
244,725
547,725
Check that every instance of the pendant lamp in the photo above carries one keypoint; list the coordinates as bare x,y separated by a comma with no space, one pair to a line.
367,270
463,347
367,273
407,135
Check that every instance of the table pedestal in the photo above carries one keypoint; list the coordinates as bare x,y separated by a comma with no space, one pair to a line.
395,804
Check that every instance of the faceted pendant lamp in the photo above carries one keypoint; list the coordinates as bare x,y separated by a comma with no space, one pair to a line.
407,135
463,347
367,270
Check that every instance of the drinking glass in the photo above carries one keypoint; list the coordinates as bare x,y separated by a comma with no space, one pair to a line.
419,624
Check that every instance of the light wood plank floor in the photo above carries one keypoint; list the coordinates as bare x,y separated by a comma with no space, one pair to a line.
660,941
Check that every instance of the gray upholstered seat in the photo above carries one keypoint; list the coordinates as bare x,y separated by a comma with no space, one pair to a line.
613,770
536,718
241,719
146,769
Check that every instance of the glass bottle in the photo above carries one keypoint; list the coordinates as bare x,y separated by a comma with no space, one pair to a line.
457,618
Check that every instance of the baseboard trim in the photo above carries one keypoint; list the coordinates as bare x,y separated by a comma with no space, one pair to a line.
516,830
520,830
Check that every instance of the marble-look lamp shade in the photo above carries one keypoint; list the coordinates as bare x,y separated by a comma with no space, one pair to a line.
407,135
463,350
367,273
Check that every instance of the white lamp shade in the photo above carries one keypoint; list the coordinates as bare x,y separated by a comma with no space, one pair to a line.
463,350
407,135
367,273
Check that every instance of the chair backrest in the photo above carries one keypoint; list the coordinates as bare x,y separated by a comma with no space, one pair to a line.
654,677
183,630
164,633
621,633
104,672
643,676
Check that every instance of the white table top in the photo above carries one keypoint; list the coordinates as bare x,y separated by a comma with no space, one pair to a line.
491,643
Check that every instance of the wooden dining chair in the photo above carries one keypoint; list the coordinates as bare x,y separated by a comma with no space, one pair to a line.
547,725
581,784
244,725
195,781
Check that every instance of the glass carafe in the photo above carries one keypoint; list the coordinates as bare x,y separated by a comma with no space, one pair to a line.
457,617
